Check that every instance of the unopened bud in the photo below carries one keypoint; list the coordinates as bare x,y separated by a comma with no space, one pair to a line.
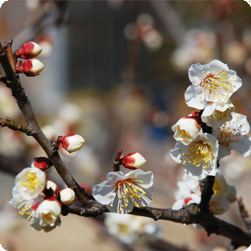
71,142
28,50
30,67
42,163
67,196
133,160
51,190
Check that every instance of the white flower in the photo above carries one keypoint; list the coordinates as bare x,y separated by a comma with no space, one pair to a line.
133,160
188,192
221,187
25,207
216,114
233,136
121,192
67,196
128,228
224,194
213,82
47,214
30,182
218,204
199,158
186,129
72,142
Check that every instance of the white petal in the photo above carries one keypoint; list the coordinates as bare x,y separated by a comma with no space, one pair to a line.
194,97
104,192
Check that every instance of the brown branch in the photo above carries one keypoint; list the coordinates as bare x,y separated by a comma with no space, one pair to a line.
207,192
189,215
244,214
34,129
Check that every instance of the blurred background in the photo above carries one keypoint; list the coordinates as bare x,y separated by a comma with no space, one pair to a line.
116,72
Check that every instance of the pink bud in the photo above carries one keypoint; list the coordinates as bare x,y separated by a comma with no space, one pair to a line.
133,160
67,196
30,67
42,163
28,50
71,142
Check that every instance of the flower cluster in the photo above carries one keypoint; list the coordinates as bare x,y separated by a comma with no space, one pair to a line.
189,191
122,192
207,135
37,198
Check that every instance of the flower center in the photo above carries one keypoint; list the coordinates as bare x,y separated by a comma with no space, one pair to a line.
47,217
218,116
184,134
31,183
199,154
217,86
129,190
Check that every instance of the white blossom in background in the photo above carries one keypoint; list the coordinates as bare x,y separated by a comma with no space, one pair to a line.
122,192
188,192
47,215
128,228
198,46
186,130
213,82
217,113
233,136
198,158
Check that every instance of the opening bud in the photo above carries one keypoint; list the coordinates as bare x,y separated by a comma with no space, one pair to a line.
51,190
67,196
28,50
30,67
42,163
72,142
133,160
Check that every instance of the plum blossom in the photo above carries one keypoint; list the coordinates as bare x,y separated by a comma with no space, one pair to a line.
213,82
25,207
122,192
198,158
186,129
29,183
47,215
233,136
224,194
216,114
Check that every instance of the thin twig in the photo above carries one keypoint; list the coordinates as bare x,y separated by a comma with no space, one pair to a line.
13,125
